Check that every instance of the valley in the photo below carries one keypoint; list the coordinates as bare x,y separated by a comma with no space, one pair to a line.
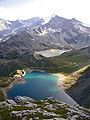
65,64
59,48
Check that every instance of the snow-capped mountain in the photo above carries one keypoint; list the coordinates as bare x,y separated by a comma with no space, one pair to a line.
37,34
11,27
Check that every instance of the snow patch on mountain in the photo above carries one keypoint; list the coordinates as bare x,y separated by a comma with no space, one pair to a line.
82,28
50,52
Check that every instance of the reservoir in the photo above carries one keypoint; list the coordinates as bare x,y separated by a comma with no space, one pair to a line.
39,85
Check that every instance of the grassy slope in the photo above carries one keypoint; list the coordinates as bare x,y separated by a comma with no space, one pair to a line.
71,61
2,98
66,63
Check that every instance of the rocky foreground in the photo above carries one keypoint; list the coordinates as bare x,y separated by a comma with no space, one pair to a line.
25,108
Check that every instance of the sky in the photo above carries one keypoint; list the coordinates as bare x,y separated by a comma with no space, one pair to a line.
25,9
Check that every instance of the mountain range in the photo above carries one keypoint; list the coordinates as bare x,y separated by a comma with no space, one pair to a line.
21,39
35,34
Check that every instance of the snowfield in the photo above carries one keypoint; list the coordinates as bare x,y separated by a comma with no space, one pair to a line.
51,52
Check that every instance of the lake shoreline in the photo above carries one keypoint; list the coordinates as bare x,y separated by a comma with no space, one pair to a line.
18,80
61,79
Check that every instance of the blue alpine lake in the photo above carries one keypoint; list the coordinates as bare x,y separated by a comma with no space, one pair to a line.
39,85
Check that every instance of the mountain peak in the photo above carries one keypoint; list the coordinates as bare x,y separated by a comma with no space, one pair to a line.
56,21
75,20
57,17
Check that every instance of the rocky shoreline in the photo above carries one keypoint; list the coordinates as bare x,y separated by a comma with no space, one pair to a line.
15,81
19,80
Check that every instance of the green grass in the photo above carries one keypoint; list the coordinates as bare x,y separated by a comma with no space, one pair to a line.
5,114
61,111
66,63
70,62
18,108
4,79
2,97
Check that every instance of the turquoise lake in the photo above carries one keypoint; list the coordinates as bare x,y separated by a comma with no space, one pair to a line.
39,85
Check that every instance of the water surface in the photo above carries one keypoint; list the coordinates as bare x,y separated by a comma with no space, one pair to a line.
39,85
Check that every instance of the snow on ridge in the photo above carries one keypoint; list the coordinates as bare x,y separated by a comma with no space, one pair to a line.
4,24
47,19
82,28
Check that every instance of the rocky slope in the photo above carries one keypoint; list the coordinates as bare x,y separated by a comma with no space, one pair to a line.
11,27
21,39
67,62
82,85
58,32
25,108
28,36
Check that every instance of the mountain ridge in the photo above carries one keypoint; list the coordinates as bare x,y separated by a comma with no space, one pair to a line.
59,32
21,39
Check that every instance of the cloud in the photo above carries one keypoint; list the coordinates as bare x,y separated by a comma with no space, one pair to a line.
13,3
3,12
65,8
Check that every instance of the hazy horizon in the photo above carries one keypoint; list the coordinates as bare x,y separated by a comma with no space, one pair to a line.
26,9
